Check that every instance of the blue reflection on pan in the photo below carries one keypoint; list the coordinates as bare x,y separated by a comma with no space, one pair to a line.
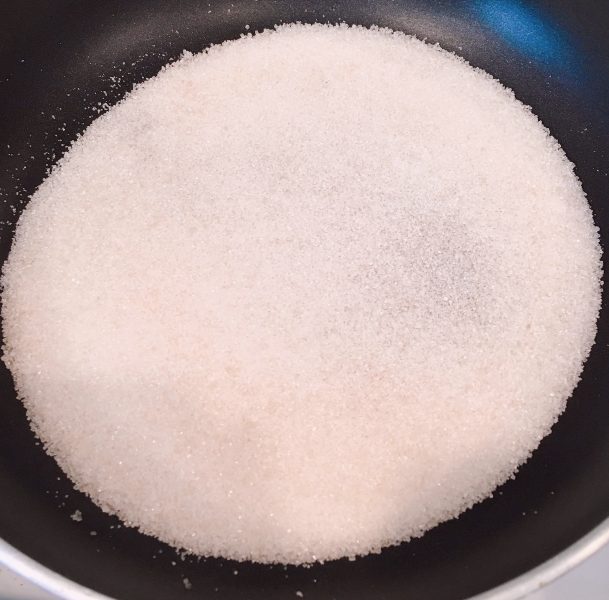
529,31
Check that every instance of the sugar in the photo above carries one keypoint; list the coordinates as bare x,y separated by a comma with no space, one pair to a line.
323,280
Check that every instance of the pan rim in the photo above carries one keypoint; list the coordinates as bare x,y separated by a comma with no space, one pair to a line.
531,581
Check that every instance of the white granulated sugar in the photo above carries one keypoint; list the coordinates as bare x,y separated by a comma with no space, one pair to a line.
302,296
76,516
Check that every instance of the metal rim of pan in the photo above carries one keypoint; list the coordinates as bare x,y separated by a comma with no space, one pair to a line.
520,586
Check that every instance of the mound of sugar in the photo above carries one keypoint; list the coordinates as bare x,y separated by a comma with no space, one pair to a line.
302,296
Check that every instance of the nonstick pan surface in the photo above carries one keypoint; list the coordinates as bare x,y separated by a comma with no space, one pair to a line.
57,61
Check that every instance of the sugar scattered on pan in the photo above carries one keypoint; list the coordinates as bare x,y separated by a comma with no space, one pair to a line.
302,296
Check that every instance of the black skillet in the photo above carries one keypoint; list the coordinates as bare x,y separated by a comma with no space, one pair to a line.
56,61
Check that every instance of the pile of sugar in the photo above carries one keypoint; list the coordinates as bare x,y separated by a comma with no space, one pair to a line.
302,296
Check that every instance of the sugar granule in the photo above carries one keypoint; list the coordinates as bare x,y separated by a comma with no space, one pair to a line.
330,281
